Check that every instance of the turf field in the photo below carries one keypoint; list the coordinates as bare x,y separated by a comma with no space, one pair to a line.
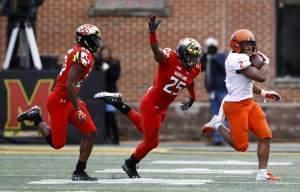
173,167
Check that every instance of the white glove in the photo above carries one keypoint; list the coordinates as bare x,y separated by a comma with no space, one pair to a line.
270,95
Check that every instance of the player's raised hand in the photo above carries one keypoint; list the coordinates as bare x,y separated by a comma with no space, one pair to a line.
153,24
270,95
187,104
81,116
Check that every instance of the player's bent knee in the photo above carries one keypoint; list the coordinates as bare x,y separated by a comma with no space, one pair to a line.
242,148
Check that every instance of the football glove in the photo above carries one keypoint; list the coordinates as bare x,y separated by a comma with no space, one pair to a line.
153,24
187,104
81,116
270,95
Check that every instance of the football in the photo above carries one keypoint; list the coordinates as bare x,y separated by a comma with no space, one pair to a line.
256,60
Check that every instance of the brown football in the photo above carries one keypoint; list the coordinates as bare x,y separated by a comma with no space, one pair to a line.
256,60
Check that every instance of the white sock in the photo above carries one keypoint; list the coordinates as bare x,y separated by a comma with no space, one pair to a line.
262,171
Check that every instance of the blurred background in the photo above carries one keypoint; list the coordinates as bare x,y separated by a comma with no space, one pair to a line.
124,24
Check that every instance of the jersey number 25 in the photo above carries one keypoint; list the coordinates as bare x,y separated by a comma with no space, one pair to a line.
175,86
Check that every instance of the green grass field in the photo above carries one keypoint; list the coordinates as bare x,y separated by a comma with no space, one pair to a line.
173,167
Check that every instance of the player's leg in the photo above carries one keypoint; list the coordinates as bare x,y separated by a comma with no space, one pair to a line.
115,99
237,117
259,126
88,133
151,121
56,136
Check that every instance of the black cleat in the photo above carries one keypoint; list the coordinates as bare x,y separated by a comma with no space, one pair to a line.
130,171
77,176
31,114
110,98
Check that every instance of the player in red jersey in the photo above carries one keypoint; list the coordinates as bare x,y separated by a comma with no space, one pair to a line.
64,104
176,70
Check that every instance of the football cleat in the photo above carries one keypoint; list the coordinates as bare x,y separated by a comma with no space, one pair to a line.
31,114
267,177
212,125
82,176
130,171
108,97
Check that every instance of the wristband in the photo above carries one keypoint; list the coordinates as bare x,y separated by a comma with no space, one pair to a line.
153,38
263,92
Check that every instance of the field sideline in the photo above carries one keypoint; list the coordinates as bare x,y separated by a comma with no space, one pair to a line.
173,167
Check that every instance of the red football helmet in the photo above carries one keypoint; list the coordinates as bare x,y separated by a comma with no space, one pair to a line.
243,41
89,36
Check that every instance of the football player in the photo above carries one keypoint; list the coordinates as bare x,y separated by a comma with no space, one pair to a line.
176,70
64,104
242,113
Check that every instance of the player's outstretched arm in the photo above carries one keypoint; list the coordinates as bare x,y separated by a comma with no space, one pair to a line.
159,55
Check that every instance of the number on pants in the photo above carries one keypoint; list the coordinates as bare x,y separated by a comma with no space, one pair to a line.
175,82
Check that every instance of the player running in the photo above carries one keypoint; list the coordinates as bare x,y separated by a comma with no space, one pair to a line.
240,110
176,70
64,104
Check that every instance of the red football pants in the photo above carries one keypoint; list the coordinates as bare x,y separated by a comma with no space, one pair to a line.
148,121
61,113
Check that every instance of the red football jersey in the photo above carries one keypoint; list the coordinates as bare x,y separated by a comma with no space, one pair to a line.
79,55
171,78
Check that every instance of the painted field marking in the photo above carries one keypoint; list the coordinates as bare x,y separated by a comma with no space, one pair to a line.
227,162
185,171
124,181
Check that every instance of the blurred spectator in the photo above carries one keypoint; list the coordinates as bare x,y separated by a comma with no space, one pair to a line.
19,12
213,63
104,61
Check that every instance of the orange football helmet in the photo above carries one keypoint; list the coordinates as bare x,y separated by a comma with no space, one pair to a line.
243,41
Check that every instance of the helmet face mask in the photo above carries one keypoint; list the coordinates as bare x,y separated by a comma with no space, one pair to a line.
189,52
243,41
89,36
248,47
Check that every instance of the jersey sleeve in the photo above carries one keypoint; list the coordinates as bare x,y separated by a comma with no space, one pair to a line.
240,61
167,51
82,58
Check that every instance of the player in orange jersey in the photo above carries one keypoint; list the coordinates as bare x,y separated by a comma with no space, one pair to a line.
242,113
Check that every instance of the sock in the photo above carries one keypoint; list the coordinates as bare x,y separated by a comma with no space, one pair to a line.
262,171
124,108
131,161
37,120
80,167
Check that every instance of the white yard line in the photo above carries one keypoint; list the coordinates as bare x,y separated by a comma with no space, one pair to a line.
185,171
226,162
125,181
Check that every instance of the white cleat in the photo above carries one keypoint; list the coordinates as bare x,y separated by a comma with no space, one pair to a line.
212,125
267,177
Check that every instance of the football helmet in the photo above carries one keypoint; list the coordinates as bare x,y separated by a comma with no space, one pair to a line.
243,41
89,36
189,51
